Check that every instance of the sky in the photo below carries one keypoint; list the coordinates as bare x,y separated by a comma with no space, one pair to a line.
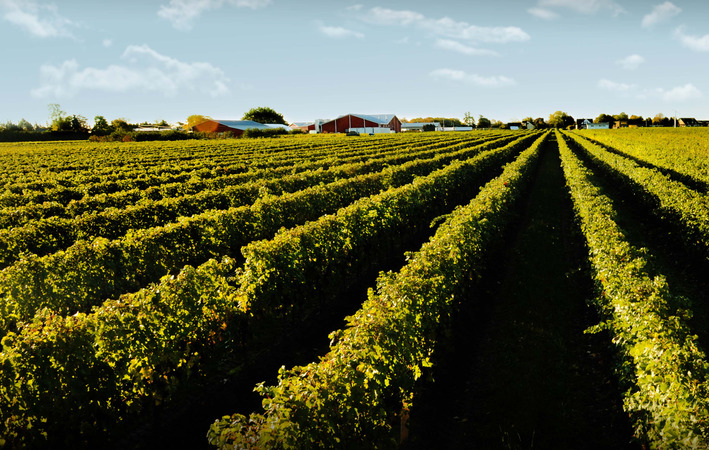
153,60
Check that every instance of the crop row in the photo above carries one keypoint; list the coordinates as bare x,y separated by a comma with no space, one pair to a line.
28,178
25,206
662,365
90,272
682,151
122,178
685,208
67,376
365,384
56,233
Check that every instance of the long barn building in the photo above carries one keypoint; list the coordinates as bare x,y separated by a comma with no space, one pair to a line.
351,121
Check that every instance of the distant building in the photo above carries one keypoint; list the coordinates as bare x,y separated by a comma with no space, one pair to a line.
418,126
582,124
598,126
687,122
305,126
236,127
343,123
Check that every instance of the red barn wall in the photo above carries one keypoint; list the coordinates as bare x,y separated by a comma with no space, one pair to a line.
344,123
212,126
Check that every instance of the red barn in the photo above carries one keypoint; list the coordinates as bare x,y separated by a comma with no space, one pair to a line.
220,126
344,123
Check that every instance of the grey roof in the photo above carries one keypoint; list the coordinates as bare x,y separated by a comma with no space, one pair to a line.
418,124
242,124
277,125
383,119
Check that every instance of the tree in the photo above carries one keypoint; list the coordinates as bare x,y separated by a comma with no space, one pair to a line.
101,127
621,116
540,124
603,118
195,119
121,125
469,120
264,115
483,122
560,119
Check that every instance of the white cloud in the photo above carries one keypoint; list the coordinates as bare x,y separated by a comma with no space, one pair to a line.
660,13
631,62
542,13
475,79
107,42
339,32
580,6
182,13
446,28
39,20
676,94
384,16
616,87
354,7
146,71
680,93
447,44
696,43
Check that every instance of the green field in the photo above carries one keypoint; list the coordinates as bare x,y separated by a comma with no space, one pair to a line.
494,289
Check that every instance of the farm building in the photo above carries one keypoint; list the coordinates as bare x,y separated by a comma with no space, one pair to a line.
305,126
344,123
687,122
222,126
418,126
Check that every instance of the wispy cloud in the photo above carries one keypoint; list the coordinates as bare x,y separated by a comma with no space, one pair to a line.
660,13
545,9
455,46
696,43
631,62
339,32
675,94
41,20
384,16
613,86
542,13
472,78
356,7
145,71
680,93
446,28
182,13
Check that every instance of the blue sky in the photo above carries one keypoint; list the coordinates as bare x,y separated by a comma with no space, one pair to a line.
167,59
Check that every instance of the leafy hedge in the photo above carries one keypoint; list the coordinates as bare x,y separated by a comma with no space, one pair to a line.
354,395
666,371
136,351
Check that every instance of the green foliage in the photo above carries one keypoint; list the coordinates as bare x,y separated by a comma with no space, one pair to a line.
139,349
264,114
484,122
662,363
358,391
560,119
264,132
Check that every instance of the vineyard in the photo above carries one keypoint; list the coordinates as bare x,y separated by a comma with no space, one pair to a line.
498,288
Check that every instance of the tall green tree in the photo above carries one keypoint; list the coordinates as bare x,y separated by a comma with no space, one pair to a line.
560,119
101,127
469,120
484,122
264,114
